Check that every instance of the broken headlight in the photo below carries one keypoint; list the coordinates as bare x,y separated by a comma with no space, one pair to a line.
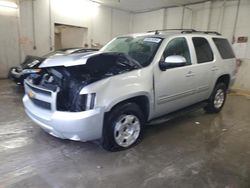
84,102
90,102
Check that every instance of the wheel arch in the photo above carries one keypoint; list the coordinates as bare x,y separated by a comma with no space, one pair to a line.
225,78
142,100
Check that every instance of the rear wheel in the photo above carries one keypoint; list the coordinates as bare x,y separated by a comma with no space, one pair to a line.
123,127
217,99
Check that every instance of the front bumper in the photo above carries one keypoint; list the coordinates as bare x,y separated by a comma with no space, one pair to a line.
15,73
17,76
78,126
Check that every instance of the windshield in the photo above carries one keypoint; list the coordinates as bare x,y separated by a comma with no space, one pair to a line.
141,49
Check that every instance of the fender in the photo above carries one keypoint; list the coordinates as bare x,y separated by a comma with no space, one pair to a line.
127,97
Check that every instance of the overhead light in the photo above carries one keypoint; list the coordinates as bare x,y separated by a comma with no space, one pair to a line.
8,4
106,1
76,8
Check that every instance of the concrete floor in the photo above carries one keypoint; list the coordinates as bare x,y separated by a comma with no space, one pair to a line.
181,153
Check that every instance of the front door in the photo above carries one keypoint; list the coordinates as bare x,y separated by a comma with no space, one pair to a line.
175,87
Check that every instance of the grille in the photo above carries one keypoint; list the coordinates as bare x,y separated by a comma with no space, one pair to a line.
40,91
42,104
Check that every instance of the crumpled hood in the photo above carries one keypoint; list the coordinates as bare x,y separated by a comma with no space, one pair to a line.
68,60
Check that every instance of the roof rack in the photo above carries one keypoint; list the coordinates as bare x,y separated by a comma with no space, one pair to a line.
205,32
211,32
157,32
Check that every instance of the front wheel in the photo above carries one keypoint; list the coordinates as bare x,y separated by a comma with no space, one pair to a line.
123,127
217,99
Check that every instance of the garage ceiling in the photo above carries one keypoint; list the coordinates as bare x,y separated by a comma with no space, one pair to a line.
144,5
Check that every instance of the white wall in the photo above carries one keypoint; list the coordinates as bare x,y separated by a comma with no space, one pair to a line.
102,26
102,23
41,25
148,21
173,18
72,36
243,26
73,12
9,49
187,18
243,29
204,16
121,22
201,16
109,23
243,77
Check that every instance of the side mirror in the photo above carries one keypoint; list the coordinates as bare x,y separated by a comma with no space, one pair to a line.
172,62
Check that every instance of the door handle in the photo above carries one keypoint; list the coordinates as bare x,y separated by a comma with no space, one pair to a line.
215,68
190,74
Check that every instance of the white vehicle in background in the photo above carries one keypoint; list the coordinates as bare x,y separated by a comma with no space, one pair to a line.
132,81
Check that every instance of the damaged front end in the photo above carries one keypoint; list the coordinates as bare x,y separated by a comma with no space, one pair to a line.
68,81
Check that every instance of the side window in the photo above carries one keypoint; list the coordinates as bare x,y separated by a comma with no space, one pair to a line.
224,48
178,46
203,50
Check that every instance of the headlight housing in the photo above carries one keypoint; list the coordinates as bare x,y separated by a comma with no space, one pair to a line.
86,102
78,103
90,103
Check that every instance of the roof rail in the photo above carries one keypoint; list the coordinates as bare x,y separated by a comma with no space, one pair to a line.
185,31
212,32
158,31
205,32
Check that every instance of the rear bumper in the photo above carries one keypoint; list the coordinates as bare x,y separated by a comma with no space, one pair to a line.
232,81
78,126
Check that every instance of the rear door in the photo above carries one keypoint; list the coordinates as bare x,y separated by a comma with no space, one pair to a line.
205,67
226,56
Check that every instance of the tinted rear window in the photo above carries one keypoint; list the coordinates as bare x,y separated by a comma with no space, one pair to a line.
224,48
203,50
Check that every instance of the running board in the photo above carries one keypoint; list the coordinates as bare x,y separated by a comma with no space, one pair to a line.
176,114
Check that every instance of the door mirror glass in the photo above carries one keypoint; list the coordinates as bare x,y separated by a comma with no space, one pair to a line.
172,62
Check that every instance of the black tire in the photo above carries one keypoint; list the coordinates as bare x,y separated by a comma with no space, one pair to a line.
113,117
211,106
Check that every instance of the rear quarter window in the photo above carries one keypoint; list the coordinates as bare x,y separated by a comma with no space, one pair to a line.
224,48
203,50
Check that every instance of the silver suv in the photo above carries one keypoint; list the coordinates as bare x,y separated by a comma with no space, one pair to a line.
134,80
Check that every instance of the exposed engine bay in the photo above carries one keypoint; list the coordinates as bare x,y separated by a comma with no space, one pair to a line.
70,80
